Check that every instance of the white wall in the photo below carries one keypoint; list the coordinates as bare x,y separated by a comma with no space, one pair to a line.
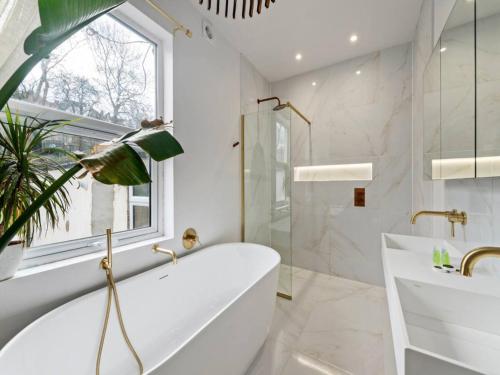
207,176
363,118
253,86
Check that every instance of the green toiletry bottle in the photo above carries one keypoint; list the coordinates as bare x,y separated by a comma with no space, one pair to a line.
445,257
436,258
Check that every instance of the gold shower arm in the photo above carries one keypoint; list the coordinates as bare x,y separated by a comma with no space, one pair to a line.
301,115
283,106
168,17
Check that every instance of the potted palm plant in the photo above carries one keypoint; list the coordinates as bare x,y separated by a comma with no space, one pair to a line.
114,162
26,170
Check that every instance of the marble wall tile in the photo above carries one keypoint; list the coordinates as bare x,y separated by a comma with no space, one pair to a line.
355,253
422,189
357,118
257,154
478,201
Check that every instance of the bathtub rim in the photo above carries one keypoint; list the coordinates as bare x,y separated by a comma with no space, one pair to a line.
275,264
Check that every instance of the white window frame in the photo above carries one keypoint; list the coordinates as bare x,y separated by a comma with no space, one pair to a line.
161,191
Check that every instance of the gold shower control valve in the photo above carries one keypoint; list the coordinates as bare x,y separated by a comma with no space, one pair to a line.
190,238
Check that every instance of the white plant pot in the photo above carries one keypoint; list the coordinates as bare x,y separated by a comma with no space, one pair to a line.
10,259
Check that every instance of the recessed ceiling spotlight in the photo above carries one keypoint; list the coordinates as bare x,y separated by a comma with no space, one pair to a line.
353,38
358,72
314,83
298,56
442,49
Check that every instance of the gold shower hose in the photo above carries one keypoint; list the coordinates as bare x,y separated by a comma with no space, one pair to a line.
112,292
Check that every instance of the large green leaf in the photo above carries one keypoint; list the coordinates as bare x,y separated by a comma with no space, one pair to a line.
119,164
59,20
158,143
62,18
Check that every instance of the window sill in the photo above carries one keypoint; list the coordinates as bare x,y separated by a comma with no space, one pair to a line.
61,264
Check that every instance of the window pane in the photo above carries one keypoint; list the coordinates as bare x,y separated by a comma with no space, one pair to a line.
141,217
141,190
281,143
105,71
94,206
280,185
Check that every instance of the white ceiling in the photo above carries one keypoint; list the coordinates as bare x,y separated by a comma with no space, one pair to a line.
318,29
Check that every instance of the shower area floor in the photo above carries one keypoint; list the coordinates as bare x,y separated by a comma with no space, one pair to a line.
285,283
332,326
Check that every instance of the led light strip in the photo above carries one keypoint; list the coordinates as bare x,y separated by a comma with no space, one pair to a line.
335,172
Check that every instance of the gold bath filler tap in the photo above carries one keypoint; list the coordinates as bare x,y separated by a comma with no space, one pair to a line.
107,265
453,217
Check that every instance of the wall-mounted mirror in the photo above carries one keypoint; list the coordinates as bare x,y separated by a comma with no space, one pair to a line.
432,112
488,88
449,99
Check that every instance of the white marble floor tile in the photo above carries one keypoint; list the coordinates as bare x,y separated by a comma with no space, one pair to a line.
301,364
271,359
333,326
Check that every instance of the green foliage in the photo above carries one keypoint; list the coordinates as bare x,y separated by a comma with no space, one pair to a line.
115,162
26,171
27,181
59,20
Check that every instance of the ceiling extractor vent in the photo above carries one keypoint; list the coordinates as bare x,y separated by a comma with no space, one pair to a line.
233,8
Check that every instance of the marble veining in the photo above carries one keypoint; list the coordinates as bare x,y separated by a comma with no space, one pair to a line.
333,326
356,118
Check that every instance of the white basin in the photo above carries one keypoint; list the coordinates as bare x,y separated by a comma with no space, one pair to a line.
418,244
454,324
441,323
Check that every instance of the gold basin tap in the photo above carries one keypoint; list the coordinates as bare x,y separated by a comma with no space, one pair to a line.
470,259
453,217
157,249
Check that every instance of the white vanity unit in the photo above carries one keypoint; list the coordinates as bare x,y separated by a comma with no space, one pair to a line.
442,323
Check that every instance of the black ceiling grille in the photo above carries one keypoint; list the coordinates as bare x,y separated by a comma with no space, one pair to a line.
247,7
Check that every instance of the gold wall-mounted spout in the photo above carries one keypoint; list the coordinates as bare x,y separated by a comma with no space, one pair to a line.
470,259
453,217
157,249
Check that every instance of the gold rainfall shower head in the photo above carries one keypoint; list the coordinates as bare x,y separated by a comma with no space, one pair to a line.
247,6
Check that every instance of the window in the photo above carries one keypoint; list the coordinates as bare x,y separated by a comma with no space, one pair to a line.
105,71
107,77
281,176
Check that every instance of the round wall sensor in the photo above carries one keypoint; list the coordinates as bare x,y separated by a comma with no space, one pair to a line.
208,31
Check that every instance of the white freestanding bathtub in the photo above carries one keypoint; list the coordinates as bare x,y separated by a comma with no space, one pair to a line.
207,315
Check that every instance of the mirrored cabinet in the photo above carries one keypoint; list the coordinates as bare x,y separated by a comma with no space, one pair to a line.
462,95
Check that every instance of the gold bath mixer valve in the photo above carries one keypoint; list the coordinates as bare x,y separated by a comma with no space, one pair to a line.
190,239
